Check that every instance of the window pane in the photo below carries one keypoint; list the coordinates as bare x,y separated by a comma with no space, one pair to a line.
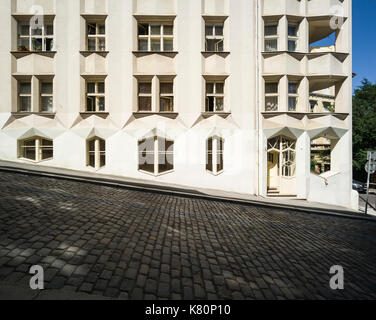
146,155
271,103
102,44
47,103
166,87
49,44
214,45
36,31
47,153
156,45
29,153
271,88
293,87
91,46
92,145
167,104
101,104
143,45
92,160
271,45
219,87
102,160
168,45
219,161
168,30
90,104
102,145
144,87
46,88
271,30
144,103
209,30
292,45
155,29
37,44
209,104
165,162
91,29
292,103
25,104
101,29
143,29
209,87
219,30
100,87
219,104
209,155
24,30
49,30
293,30
25,88
91,87
24,44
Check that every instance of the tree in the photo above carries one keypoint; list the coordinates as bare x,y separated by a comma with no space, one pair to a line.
364,126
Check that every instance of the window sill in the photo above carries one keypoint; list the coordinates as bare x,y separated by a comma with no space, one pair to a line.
214,174
42,114
170,54
96,113
21,54
223,54
88,53
141,114
34,161
208,114
310,115
156,175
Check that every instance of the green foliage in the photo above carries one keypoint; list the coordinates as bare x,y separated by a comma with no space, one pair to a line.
364,126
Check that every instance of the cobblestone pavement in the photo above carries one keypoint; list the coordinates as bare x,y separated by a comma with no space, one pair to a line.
129,244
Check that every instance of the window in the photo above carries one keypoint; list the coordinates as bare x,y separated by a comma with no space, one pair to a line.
292,37
313,104
155,37
156,155
214,37
271,37
95,96
214,96
96,152
36,149
35,37
96,36
144,96
271,96
166,96
321,148
24,96
46,96
293,95
214,155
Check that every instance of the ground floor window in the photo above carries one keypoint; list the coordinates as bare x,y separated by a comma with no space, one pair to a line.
214,155
155,155
36,149
96,153
321,149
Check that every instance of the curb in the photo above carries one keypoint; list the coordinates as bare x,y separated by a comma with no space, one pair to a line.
183,193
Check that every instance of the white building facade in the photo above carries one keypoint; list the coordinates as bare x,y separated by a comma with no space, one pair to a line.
199,93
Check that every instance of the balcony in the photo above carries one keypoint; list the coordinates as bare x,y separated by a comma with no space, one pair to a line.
283,7
327,7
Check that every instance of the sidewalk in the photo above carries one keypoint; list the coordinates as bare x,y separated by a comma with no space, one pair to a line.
143,185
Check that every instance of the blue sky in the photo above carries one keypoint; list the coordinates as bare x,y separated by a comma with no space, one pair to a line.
364,41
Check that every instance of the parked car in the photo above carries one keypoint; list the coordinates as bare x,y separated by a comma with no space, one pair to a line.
359,186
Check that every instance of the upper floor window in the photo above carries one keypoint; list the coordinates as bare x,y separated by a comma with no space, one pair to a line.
156,155
36,149
292,37
214,39
271,96
35,37
46,96
155,37
96,153
214,96
166,92
95,96
24,96
96,36
293,95
271,37
144,96
214,155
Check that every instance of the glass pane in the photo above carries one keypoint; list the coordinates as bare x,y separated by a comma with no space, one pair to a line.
214,45
144,103
91,87
47,153
209,107
46,88
209,30
292,45
29,153
168,45
271,45
271,30
102,145
271,88
102,44
23,44
101,29
49,44
156,45
143,45
49,30
293,87
293,30
292,103
219,30
92,145
167,104
29,143
219,87
92,160
25,88
100,87
24,30
165,162
166,87
90,104
168,30
47,104
143,29
102,160
219,161
101,103
219,104
37,44
91,29
91,46
25,104
36,31
155,29
146,155
144,87
46,143
210,87
271,103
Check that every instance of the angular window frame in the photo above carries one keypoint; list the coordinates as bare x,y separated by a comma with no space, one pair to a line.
143,95
43,95
293,38
163,37
215,95
272,95
215,155
220,39
272,37
20,95
97,37
98,152
31,38
96,95
293,96
169,96
39,147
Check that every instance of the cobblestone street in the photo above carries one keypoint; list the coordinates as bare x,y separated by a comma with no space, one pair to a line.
129,244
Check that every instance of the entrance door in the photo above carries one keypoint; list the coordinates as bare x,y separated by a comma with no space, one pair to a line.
273,171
